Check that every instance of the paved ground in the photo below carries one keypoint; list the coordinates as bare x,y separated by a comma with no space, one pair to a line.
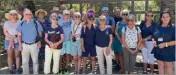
138,68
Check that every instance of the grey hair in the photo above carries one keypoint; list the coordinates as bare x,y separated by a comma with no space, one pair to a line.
124,12
26,9
53,15
131,16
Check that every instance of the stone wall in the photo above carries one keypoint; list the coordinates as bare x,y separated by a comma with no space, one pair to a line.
169,5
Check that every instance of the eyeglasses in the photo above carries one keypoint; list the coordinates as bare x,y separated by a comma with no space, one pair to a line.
149,15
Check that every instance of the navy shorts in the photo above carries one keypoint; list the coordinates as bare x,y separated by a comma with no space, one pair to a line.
89,51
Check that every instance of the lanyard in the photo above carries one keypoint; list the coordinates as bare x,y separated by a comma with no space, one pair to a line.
74,31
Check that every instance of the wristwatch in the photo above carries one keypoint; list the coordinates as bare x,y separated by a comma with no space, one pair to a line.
166,44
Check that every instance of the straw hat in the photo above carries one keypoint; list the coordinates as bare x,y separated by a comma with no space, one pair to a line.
40,10
12,12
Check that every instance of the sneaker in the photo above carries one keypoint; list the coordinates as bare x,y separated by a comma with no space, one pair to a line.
18,71
92,72
11,71
66,72
144,73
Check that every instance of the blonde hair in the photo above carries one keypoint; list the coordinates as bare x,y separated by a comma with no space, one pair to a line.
124,12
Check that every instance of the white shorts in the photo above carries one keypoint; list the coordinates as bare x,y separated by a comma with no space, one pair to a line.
146,53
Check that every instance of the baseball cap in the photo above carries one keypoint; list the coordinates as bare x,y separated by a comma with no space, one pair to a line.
90,14
105,9
66,12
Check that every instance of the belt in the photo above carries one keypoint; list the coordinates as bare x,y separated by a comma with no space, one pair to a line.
28,43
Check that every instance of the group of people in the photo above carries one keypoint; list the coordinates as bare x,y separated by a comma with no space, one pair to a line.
68,33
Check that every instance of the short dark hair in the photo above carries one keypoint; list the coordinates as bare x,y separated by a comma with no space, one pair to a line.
149,11
161,14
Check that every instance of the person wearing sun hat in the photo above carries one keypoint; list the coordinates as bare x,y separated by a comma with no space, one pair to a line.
11,43
88,40
40,17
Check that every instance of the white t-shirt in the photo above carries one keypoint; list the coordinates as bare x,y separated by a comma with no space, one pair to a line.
11,27
131,36
76,29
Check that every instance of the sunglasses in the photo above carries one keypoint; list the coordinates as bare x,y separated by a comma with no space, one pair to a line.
77,16
102,19
125,14
149,15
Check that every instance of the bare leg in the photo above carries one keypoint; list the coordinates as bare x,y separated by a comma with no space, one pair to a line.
152,68
75,63
160,67
84,64
68,56
121,62
79,64
10,58
93,63
169,67
17,56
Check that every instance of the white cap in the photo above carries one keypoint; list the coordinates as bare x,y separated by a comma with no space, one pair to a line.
77,13
66,12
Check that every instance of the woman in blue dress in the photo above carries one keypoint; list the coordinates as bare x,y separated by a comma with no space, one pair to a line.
164,44
117,44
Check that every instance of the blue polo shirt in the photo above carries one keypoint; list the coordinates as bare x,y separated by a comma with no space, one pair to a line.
88,35
66,25
102,37
147,31
109,21
28,30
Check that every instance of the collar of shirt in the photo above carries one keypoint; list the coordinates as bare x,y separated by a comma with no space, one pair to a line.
29,21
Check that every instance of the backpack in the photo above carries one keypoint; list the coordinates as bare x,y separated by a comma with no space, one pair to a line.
38,38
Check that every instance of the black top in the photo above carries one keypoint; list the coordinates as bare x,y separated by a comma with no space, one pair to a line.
161,35
102,37
117,19
88,35
147,31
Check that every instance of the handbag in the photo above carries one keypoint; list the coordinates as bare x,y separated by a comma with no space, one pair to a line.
55,38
